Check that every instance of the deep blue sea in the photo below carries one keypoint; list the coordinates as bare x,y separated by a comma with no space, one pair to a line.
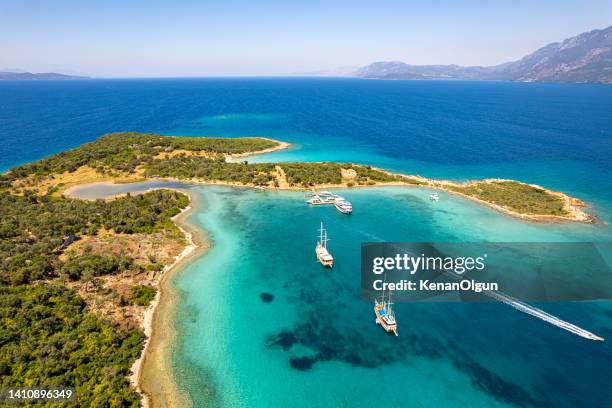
233,349
558,135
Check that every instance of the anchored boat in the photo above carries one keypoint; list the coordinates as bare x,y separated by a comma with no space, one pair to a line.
385,316
325,198
323,254
345,207
434,197
321,200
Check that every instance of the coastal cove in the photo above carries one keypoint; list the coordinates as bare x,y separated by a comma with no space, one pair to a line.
228,279
188,247
218,184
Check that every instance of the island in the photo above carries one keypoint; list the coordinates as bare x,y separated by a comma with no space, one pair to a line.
42,76
79,279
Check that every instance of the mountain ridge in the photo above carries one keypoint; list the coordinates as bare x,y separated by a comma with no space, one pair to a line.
586,57
29,76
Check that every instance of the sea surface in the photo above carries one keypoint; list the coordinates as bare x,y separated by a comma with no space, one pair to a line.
261,324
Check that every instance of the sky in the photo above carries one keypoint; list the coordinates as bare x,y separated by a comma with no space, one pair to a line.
239,38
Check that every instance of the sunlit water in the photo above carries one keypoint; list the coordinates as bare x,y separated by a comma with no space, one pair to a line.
314,342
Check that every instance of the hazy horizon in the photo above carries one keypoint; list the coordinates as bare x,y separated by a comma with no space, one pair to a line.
271,38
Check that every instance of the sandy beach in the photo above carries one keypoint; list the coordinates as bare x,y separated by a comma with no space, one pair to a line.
151,372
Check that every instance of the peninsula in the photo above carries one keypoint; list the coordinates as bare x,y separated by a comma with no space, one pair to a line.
92,268
131,157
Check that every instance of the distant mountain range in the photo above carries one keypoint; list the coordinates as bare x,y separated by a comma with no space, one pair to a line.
12,76
333,72
584,58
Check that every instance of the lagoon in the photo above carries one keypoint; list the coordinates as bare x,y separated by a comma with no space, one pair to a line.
314,342
233,348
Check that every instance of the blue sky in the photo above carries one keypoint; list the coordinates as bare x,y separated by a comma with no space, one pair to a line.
198,38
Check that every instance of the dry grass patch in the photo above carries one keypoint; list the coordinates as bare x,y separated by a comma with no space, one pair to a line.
110,296
60,182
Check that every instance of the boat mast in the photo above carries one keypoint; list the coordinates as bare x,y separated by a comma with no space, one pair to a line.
321,234
323,237
382,301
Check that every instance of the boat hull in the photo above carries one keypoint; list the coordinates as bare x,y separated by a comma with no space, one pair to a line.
389,328
324,258
343,211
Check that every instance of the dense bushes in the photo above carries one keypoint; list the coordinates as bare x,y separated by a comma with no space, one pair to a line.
47,337
88,266
142,295
210,169
367,173
518,197
126,151
33,228
48,340
309,174
297,174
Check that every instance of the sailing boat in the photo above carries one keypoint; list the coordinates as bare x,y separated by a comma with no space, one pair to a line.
323,254
385,316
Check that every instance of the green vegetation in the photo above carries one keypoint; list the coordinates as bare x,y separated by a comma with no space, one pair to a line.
310,174
519,197
88,266
47,335
142,295
297,174
121,153
33,229
162,156
367,173
187,167
48,339
124,152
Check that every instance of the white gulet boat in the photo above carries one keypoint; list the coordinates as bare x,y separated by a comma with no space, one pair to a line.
345,207
323,254
385,316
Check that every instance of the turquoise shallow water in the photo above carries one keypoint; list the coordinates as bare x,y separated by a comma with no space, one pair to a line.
236,350
316,344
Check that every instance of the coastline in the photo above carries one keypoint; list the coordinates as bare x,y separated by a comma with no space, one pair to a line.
479,191
281,146
151,372
571,204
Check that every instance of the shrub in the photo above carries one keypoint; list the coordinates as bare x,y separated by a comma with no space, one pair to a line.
143,295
